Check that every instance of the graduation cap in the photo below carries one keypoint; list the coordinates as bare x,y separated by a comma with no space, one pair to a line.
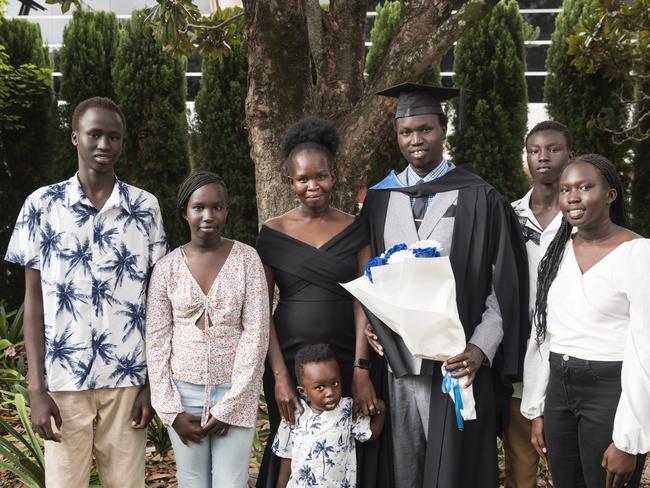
416,99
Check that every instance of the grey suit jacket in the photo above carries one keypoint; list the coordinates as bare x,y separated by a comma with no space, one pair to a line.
438,224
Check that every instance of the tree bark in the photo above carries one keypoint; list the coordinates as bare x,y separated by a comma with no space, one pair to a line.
284,85
340,85
279,92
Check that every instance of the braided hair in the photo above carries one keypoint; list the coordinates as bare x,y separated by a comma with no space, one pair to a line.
192,183
310,133
550,263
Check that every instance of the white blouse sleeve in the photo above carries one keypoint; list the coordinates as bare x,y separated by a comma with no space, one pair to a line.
632,421
536,374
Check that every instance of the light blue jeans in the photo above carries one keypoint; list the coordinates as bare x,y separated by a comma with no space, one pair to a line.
218,461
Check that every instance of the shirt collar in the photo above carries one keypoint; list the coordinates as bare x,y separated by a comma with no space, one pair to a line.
522,206
118,198
522,209
412,177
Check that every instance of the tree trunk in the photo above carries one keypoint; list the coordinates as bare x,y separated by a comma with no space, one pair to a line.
290,77
278,92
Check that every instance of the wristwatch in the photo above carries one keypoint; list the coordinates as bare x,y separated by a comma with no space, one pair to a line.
361,363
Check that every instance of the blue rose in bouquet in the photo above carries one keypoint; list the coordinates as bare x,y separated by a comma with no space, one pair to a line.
401,251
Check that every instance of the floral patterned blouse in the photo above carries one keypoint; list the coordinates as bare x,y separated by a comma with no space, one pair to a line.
231,350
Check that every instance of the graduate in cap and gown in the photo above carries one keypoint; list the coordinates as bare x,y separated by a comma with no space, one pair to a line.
476,227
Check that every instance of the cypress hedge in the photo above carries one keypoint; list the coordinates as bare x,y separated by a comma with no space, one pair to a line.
151,87
26,102
87,55
220,139
86,58
489,61
640,201
578,99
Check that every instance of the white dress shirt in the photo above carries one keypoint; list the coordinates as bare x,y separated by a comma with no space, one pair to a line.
537,242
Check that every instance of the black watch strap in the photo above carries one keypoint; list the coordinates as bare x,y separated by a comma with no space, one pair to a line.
361,363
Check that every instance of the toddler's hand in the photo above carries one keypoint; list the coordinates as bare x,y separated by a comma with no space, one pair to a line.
381,406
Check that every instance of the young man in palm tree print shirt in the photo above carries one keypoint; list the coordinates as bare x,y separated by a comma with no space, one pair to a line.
88,245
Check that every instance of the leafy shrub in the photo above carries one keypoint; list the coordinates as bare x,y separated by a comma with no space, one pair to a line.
22,454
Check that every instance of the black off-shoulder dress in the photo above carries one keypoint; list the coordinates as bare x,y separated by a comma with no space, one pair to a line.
312,308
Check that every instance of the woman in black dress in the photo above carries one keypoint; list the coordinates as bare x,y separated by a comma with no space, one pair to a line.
307,252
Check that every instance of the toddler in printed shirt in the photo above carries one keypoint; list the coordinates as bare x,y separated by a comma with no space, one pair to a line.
320,449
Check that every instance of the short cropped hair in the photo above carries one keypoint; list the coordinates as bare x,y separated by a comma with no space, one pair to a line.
552,125
314,353
96,102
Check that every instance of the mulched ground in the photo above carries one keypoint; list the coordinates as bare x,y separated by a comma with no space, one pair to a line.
160,472
161,475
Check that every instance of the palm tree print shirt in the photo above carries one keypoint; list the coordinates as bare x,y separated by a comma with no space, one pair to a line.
94,267
322,446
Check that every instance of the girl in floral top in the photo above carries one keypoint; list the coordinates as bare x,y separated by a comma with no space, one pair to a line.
207,334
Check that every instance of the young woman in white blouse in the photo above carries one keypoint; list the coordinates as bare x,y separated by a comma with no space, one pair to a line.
590,405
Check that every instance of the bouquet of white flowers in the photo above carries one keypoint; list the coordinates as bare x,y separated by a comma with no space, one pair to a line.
412,290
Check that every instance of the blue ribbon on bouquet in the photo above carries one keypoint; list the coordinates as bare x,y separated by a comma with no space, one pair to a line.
449,383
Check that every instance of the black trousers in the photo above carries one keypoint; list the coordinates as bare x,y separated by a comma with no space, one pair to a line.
581,401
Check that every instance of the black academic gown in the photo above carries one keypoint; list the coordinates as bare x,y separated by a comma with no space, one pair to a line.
486,236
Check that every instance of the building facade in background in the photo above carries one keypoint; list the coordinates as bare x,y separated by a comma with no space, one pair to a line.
538,13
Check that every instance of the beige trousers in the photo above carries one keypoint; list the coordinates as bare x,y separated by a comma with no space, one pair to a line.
521,458
99,422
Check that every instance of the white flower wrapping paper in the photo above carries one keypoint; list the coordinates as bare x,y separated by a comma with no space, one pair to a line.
416,298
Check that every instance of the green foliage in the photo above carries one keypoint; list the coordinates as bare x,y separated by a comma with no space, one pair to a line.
11,333
12,356
640,191
20,88
158,436
23,42
66,4
531,32
22,454
387,156
382,32
181,28
150,87
26,99
489,61
587,103
613,38
220,139
86,58
88,52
